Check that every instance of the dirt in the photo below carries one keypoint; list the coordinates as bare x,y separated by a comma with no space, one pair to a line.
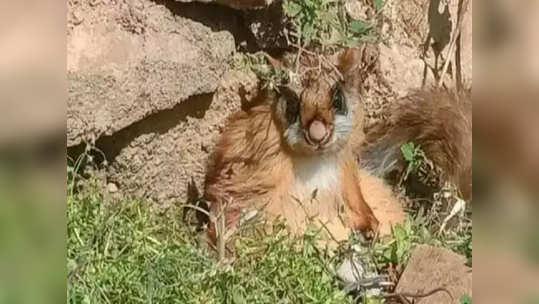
405,31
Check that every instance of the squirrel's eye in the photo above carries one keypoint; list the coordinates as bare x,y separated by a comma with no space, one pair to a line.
290,101
292,110
338,102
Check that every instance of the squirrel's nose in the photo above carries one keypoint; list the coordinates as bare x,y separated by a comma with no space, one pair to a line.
317,131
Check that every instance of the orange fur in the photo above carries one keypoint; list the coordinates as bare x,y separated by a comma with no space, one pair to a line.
385,206
264,159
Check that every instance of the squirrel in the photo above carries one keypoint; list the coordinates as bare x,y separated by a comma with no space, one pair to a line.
293,156
436,120
296,154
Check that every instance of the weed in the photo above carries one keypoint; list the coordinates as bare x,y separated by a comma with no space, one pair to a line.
428,215
324,23
270,76
397,248
414,156
378,4
465,299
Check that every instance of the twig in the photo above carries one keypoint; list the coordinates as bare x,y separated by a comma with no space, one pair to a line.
320,57
220,229
196,208
298,57
452,44
403,295
459,206
329,232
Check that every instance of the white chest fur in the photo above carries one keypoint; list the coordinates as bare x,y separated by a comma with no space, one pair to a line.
300,208
316,173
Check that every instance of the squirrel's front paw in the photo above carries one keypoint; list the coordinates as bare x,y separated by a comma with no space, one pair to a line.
367,224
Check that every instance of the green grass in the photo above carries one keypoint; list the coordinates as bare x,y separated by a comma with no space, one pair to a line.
325,23
121,251
416,231
465,299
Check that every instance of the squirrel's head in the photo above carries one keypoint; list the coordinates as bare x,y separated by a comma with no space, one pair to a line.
318,114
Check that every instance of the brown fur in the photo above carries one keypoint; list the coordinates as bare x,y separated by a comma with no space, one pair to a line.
255,165
439,122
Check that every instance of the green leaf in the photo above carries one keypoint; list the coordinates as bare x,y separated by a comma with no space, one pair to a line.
378,4
465,299
399,233
373,300
309,32
408,151
359,27
237,298
291,9
388,255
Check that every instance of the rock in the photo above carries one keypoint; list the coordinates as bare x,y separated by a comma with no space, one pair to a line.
238,87
238,4
351,271
355,275
112,188
402,68
356,10
160,157
430,268
129,59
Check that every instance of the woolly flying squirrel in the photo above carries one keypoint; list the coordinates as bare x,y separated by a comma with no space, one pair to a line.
293,156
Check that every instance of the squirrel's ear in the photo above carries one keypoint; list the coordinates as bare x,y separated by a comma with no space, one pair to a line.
347,61
274,62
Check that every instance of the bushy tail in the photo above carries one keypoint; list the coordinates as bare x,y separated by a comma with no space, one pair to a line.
436,120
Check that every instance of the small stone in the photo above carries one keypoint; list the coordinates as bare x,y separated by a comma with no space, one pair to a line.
356,10
351,271
78,18
112,188
357,273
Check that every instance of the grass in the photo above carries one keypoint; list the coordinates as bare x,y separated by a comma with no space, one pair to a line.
326,23
121,251
414,231
425,223
466,299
